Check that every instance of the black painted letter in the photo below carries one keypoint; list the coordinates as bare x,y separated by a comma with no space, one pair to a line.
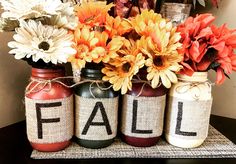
179,121
105,122
40,120
134,120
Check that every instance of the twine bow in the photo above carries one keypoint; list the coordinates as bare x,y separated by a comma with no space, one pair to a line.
189,86
46,85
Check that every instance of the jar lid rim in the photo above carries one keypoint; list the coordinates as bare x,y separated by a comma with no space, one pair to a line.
197,76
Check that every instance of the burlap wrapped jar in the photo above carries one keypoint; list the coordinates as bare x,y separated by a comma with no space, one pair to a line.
96,112
49,110
142,116
188,111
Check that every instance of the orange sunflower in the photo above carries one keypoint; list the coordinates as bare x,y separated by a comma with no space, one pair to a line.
106,50
163,58
92,13
144,22
121,70
85,41
117,26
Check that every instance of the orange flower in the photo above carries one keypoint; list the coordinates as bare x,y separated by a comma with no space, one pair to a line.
206,46
85,41
162,61
144,23
104,50
117,26
121,69
92,13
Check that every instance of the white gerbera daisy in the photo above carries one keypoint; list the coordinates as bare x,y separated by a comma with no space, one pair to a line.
33,9
66,19
36,41
27,9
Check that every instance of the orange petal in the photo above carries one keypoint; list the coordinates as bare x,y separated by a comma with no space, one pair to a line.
220,77
194,51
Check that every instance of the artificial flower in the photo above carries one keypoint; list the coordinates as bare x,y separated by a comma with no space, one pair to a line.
94,47
206,46
61,13
194,34
144,23
117,26
121,70
162,61
160,43
105,49
65,19
36,41
93,14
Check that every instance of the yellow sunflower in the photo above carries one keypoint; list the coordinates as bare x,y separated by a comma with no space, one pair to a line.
121,70
163,58
144,22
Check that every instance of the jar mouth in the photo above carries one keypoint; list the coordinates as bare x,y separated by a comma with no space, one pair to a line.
91,73
196,77
176,3
48,73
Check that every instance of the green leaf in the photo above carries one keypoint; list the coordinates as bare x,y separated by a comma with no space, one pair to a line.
202,2
214,66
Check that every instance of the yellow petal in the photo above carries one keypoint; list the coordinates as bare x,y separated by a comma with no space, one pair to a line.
155,80
150,75
172,76
165,81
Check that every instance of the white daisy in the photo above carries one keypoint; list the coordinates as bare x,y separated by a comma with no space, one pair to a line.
37,41
66,19
33,9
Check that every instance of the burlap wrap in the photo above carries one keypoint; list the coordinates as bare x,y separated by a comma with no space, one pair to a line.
52,132
83,111
150,113
194,117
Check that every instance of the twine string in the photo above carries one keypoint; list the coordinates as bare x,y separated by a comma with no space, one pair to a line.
42,84
145,82
189,86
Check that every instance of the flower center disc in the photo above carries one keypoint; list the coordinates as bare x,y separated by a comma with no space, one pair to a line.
126,67
44,45
158,61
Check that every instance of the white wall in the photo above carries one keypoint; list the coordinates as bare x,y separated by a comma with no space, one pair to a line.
13,79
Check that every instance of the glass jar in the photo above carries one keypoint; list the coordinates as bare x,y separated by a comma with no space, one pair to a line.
49,110
188,111
143,114
96,110
176,12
